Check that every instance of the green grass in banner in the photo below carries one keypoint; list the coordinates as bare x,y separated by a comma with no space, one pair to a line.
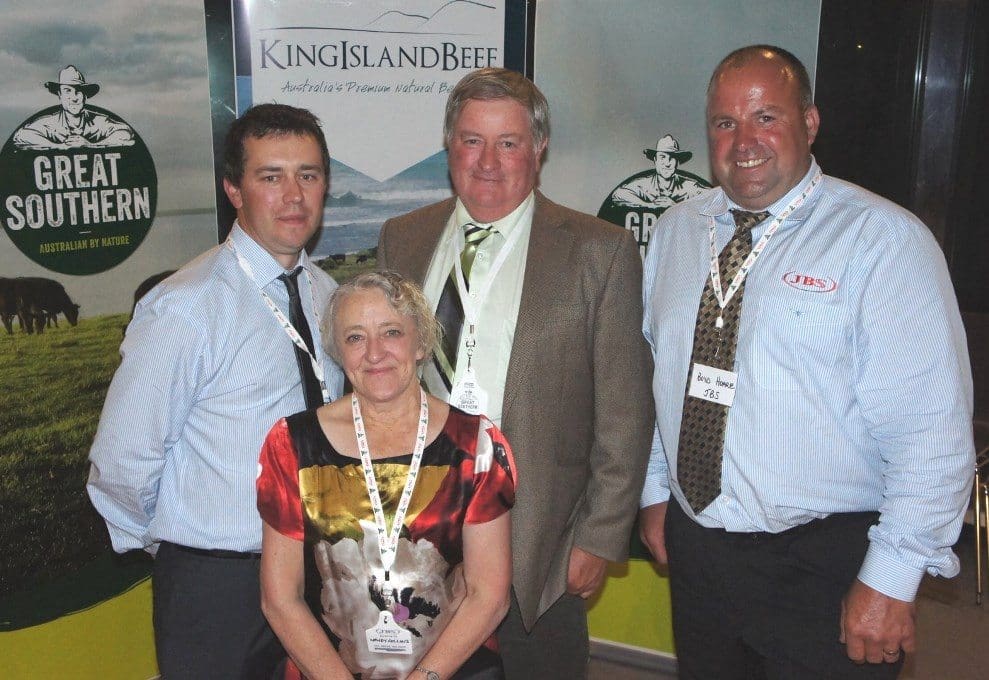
53,387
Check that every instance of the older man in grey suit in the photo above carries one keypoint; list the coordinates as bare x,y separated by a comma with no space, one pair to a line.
542,313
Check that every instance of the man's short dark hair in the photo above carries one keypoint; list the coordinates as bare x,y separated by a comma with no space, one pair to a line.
269,119
744,55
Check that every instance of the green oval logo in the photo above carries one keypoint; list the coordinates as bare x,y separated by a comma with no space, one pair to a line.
77,201
637,202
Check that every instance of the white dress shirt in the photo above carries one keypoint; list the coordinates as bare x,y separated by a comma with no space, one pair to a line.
499,308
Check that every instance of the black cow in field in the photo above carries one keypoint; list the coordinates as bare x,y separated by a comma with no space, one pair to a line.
39,299
144,288
339,258
8,304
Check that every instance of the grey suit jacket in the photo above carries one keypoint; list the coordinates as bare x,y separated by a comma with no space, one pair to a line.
578,408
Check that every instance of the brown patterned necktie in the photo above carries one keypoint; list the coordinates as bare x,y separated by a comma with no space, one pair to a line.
702,429
450,309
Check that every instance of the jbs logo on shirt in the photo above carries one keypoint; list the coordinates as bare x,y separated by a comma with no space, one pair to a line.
813,284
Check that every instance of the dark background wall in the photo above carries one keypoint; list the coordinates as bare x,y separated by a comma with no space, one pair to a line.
903,90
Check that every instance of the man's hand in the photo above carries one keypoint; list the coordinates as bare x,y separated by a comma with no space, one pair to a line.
875,627
652,529
585,573
663,201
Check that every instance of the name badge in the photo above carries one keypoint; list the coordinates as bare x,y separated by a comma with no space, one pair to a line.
388,637
468,395
713,384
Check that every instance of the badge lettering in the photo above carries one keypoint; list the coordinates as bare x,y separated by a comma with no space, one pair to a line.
811,284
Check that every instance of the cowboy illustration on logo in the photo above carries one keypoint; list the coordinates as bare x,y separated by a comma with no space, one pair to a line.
78,187
73,124
638,202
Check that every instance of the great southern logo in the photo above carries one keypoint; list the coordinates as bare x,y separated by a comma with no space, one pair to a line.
637,203
812,284
78,188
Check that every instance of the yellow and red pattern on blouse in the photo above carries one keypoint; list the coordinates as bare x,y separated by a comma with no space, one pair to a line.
310,492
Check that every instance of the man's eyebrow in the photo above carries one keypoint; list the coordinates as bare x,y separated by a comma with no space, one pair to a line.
274,167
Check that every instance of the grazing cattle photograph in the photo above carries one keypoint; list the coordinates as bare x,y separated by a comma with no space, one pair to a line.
8,304
39,301
144,288
36,303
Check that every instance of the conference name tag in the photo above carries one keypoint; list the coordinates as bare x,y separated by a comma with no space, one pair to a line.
713,384
468,395
388,637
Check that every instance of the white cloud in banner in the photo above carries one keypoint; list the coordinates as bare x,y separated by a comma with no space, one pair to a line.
377,73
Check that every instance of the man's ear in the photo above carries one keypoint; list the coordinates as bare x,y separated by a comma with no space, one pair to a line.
540,150
233,193
812,119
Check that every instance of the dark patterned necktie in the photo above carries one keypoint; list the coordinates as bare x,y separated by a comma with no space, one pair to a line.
310,385
450,310
702,430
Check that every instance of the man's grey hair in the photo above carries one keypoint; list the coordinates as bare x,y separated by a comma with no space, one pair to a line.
499,83
404,296
794,66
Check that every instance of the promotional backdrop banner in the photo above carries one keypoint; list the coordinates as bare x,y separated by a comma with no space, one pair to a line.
105,181
629,135
377,73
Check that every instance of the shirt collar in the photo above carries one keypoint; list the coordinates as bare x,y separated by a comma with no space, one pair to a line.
655,179
504,226
264,267
720,204
63,118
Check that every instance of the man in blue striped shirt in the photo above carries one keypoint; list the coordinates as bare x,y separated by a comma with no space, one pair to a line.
846,454
209,364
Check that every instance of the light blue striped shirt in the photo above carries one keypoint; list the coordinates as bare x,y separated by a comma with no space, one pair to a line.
206,372
854,387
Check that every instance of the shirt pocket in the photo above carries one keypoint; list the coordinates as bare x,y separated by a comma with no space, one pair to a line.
798,344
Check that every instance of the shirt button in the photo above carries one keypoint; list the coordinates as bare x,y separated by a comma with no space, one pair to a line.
480,256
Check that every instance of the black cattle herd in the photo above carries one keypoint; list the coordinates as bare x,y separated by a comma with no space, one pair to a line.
36,303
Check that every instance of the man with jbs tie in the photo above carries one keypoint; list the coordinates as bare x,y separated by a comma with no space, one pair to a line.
810,498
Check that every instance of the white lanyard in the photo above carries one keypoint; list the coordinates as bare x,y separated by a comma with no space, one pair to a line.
736,283
471,310
284,322
388,542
